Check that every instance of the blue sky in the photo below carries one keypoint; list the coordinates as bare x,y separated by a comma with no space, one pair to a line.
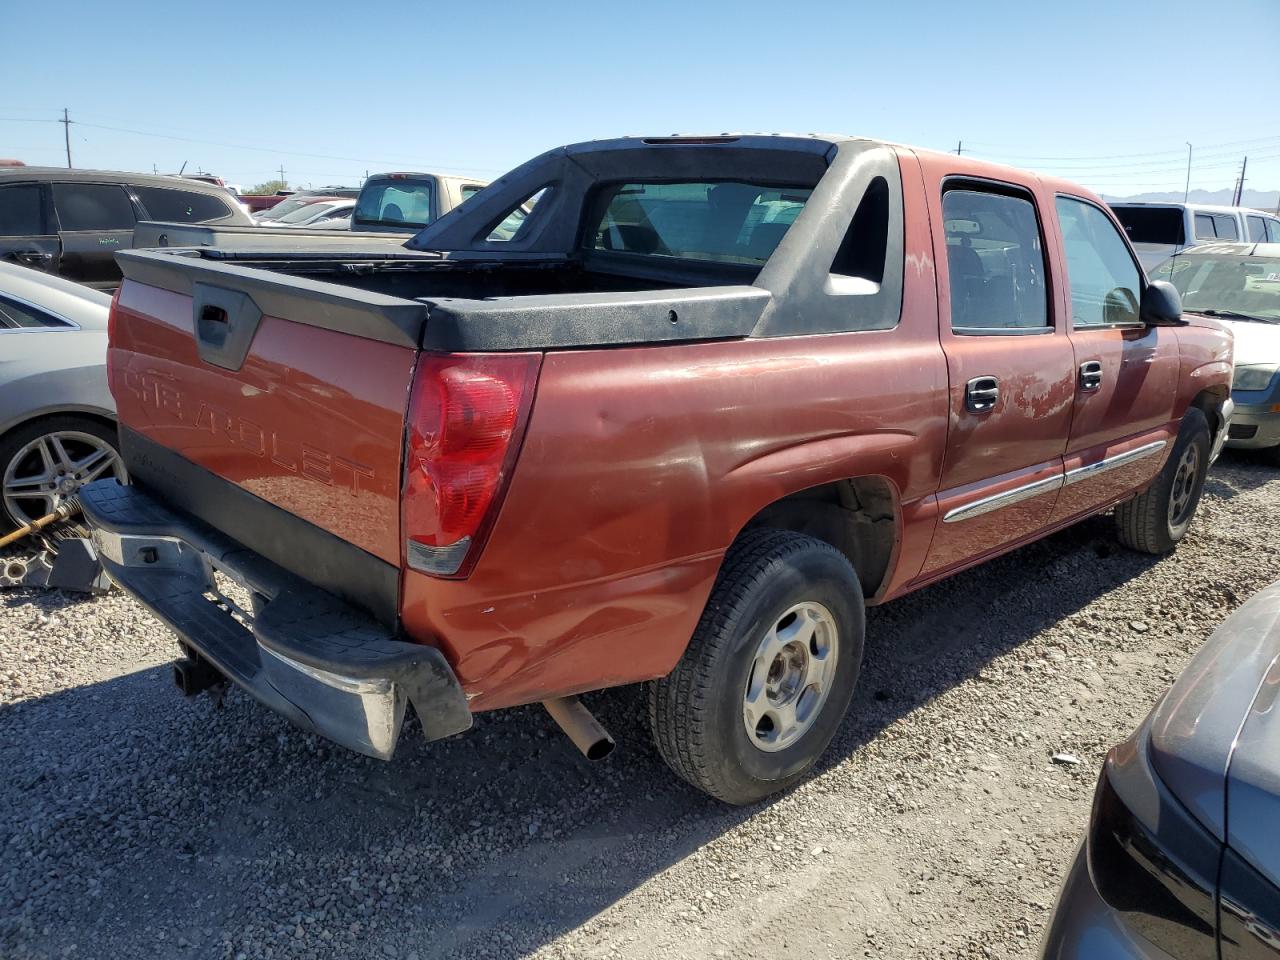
1106,93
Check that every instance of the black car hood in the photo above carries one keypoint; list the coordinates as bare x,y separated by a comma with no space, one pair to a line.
1215,738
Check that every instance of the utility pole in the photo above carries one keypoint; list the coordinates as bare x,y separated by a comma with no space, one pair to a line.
1240,183
283,181
66,130
1187,190
959,147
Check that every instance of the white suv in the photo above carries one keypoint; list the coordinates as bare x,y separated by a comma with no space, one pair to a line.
1159,230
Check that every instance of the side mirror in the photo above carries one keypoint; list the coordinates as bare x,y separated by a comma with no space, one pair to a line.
1161,305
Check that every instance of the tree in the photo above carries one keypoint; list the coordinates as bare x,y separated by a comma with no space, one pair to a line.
268,188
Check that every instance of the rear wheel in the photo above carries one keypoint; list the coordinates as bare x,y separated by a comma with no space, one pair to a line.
770,671
1158,519
44,462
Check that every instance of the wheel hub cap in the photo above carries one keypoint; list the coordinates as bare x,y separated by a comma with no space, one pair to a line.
1184,485
51,468
791,676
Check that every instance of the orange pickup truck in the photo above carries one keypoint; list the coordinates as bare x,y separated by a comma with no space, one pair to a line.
711,398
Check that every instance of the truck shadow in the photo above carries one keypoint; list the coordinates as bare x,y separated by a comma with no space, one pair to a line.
227,829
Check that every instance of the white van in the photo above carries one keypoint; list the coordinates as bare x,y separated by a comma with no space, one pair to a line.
1159,230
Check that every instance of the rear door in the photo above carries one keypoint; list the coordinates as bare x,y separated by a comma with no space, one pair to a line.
95,220
1126,373
1010,367
26,235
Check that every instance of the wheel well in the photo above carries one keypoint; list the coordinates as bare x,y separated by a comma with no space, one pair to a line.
857,516
1210,402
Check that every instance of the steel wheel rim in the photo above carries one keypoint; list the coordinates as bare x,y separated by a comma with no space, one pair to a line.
1184,485
791,676
51,468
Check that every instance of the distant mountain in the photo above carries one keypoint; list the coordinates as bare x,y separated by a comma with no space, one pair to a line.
1261,199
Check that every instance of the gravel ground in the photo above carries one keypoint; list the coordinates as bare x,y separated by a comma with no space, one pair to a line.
134,824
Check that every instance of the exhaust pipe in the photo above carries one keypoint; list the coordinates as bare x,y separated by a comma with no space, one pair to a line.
194,675
580,726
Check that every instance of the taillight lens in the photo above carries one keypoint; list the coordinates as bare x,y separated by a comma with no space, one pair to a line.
466,415
111,318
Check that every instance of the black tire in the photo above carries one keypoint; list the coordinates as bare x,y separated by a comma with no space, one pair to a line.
1147,523
1270,456
696,712
12,442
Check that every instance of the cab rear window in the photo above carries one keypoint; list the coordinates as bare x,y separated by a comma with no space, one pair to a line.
396,203
729,221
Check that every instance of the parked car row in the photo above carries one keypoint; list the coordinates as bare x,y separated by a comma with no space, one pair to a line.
752,420
71,223
1160,230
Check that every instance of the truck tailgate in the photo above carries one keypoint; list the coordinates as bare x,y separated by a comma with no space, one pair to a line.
291,390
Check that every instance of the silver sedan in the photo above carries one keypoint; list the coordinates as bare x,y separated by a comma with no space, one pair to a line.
57,418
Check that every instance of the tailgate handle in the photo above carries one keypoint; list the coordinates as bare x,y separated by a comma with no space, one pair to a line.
213,325
225,322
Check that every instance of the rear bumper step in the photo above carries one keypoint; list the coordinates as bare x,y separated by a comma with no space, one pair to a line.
301,651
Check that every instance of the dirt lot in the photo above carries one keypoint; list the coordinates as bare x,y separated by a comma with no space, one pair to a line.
134,824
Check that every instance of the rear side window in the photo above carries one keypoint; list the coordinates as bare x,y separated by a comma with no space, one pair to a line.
181,206
1152,224
1273,231
19,316
995,262
730,221
864,248
1257,229
93,206
1106,285
1219,226
21,213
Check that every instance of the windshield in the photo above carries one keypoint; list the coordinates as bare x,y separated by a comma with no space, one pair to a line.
395,203
730,221
308,212
1226,284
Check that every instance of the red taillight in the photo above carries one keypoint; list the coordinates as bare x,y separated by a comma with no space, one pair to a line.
466,415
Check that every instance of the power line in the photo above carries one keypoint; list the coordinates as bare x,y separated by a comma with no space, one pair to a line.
1001,150
260,149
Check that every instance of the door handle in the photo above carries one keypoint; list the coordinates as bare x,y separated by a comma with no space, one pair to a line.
981,394
32,258
1091,375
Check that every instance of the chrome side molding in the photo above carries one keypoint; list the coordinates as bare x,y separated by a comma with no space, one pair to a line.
999,501
1088,471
